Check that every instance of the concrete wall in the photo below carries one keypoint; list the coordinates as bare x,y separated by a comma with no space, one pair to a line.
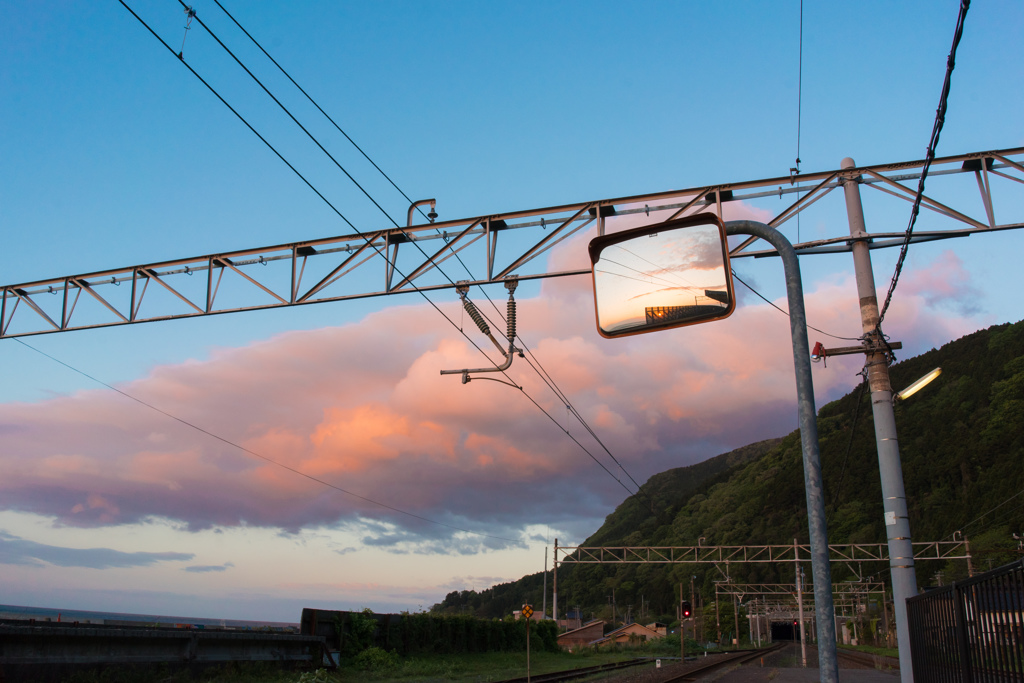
38,652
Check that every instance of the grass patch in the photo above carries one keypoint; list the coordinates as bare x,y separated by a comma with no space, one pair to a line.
378,666
872,650
494,666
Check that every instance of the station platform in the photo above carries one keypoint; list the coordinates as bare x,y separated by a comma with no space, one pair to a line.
785,666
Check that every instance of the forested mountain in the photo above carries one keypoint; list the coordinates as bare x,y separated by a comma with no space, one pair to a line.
962,448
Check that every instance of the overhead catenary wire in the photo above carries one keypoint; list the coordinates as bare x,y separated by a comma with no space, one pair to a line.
547,380
361,151
315,104
367,238
357,231
286,111
933,142
534,362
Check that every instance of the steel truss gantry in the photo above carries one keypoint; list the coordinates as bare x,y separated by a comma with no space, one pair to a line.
375,263
728,554
844,593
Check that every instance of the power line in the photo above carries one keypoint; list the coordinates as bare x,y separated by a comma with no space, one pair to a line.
849,447
357,231
240,117
985,514
1002,518
555,389
548,380
786,313
286,111
550,383
314,103
940,119
258,455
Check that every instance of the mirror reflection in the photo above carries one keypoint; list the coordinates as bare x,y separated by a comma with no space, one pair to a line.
661,276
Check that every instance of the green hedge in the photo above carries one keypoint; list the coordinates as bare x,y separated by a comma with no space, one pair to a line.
425,633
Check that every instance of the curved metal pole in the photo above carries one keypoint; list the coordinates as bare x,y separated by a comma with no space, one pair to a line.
820,570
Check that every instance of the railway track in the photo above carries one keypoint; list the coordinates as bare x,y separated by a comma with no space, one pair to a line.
856,660
740,657
573,674
869,660
688,671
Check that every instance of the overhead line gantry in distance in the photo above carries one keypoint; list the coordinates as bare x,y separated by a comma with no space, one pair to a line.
727,554
338,268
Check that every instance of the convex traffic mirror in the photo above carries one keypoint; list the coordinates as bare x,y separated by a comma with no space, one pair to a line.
661,276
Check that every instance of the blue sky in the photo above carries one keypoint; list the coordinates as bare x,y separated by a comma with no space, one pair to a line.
114,154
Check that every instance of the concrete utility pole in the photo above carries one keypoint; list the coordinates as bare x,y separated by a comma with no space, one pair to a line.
897,525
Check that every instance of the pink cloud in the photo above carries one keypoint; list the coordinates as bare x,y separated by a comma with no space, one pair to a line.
943,282
363,407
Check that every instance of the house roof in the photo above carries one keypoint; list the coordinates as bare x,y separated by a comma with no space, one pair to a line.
588,625
633,628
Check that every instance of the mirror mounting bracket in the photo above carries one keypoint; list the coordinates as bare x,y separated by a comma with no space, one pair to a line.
813,487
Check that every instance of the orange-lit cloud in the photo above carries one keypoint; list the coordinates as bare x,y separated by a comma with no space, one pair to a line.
363,407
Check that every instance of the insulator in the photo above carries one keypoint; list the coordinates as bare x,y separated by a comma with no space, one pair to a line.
476,316
511,318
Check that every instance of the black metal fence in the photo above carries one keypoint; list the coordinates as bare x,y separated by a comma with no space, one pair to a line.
971,631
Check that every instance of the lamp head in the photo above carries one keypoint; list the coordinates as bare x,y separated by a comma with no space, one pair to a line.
918,385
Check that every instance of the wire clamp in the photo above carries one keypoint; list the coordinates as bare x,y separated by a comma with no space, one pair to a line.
190,14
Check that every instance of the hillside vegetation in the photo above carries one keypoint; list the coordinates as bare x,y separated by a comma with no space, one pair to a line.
962,448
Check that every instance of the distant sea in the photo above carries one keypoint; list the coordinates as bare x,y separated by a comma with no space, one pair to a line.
83,617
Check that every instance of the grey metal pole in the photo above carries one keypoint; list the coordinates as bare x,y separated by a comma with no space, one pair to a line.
554,586
821,572
800,609
894,500
544,609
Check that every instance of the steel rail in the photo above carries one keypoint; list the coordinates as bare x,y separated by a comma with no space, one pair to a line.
583,672
741,657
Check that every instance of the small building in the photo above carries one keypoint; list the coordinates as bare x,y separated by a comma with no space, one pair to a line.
573,620
580,637
660,628
629,634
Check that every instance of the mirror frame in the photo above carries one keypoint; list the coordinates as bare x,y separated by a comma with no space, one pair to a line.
598,244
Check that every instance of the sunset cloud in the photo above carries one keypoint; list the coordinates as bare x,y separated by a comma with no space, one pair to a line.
363,408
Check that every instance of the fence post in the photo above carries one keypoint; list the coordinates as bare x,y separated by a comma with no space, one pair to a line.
963,643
